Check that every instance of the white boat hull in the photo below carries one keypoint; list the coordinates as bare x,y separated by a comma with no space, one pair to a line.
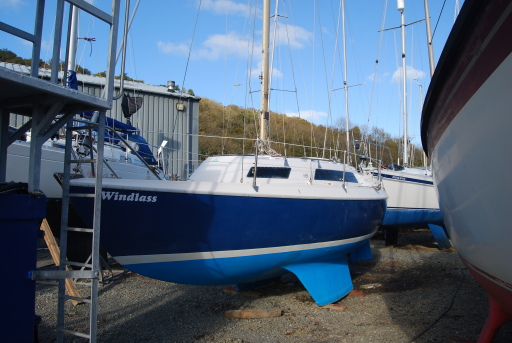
465,127
52,161
475,200
412,199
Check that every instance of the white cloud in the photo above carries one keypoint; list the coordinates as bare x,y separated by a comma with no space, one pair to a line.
219,45
256,72
412,74
225,7
173,49
315,117
215,47
380,77
295,36
277,74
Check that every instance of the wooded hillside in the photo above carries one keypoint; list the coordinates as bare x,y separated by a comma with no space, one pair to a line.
301,137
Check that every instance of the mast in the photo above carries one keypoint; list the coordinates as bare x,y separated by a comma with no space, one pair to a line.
400,5
345,78
430,61
345,84
73,40
429,40
264,111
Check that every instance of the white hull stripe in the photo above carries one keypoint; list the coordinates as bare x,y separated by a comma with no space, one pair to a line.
207,255
413,208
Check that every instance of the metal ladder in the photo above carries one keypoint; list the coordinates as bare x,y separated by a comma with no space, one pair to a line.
49,99
88,270
92,270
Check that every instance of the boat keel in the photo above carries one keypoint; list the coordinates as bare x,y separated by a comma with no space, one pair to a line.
440,236
327,282
363,252
496,318
499,294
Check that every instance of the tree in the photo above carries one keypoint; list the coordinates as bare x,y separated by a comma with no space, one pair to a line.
297,137
10,57
125,77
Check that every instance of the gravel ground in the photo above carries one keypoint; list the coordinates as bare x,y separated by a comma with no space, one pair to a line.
415,286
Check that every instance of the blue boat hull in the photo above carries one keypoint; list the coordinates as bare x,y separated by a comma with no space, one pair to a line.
412,217
221,239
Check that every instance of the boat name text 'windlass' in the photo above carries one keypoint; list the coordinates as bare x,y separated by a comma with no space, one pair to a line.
132,197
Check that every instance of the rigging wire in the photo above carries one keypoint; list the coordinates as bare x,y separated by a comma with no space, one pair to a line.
224,92
327,88
336,51
294,79
248,74
438,18
313,137
175,124
190,51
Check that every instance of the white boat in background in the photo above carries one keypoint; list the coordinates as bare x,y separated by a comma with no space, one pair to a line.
412,199
120,161
126,155
466,122
412,203
244,219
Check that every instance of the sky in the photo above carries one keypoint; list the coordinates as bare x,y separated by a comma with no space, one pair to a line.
214,48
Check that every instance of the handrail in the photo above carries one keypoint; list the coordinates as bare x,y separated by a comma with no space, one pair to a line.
36,37
134,152
127,144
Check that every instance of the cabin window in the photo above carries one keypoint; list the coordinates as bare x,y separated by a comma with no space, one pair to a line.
270,172
334,175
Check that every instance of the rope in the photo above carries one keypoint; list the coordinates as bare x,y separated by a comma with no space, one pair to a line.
90,40
445,312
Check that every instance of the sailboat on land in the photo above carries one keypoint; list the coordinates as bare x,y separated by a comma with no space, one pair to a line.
465,118
244,219
412,199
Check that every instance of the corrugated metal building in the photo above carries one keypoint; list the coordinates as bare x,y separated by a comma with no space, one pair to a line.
164,116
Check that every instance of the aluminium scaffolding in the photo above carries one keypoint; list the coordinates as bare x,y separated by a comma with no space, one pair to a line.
50,106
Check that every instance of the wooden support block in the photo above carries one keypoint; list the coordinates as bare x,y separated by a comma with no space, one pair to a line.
230,290
356,293
51,243
371,285
252,314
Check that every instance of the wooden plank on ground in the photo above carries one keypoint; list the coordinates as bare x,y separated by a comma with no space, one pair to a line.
51,243
253,313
